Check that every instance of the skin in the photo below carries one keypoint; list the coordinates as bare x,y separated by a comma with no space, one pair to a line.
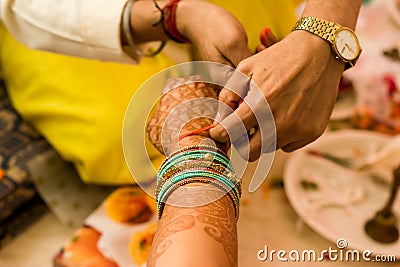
222,39
295,87
204,235
299,78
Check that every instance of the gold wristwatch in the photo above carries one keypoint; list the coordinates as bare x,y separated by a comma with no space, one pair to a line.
343,41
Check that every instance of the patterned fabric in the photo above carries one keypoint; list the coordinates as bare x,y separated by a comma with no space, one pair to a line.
19,143
21,219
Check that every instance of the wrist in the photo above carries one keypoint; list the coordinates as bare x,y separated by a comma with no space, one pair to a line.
201,140
343,12
312,45
343,41
190,15
144,15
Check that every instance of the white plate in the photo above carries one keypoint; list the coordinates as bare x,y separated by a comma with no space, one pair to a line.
115,237
333,222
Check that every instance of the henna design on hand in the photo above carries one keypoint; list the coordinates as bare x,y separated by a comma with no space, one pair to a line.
178,106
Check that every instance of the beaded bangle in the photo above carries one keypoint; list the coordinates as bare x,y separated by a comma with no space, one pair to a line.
191,164
236,189
196,174
232,196
194,148
198,163
205,156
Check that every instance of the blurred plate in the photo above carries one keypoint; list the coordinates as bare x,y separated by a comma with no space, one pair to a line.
345,106
336,222
115,237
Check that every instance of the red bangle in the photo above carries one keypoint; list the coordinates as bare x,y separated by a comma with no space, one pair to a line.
169,23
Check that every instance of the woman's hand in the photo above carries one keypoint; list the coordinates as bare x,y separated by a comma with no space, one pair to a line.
184,107
216,34
299,77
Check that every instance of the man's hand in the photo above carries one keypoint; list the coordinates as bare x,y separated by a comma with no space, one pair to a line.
299,77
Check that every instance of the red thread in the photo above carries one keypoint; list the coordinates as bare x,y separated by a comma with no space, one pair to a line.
197,131
169,24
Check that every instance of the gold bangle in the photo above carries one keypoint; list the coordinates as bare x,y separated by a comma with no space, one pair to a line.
231,195
212,148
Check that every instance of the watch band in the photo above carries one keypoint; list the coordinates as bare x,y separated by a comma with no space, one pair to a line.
328,31
323,28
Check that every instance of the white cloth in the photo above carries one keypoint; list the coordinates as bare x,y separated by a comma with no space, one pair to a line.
46,25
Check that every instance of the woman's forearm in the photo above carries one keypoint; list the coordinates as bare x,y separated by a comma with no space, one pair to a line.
192,235
196,236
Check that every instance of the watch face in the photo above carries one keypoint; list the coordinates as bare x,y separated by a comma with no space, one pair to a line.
346,44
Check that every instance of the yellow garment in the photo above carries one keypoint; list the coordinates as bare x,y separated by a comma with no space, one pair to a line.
255,15
79,104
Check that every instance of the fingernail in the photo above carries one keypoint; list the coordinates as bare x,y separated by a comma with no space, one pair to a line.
263,34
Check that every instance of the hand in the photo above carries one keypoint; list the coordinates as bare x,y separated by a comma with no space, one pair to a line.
184,107
299,78
215,33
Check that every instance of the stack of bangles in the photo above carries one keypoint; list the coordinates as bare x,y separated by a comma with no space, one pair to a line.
197,164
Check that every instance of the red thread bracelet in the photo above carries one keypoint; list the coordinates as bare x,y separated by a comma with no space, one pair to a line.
169,23
200,131
197,131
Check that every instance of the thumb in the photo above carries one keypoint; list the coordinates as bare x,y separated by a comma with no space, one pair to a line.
230,97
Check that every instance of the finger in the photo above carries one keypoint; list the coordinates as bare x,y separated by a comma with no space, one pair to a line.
240,54
250,150
298,144
258,144
231,128
219,73
295,145
260,48
267,37
254,111
235,89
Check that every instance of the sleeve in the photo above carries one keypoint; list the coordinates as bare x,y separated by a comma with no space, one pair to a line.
83,28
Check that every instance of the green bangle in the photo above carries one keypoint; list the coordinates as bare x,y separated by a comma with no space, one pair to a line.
204,155
232,196
195,174
195,147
